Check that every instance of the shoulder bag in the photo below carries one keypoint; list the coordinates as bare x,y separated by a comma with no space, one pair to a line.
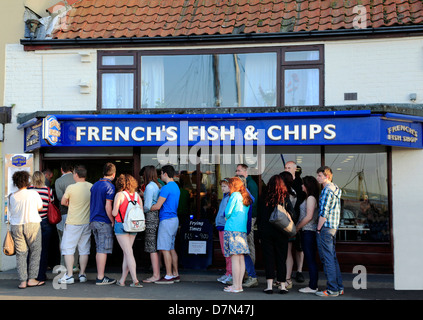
8,243
281,219
54,215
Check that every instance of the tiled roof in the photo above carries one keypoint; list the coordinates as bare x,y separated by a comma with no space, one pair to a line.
161,18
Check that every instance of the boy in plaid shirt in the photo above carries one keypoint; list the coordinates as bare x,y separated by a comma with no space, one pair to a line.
329,215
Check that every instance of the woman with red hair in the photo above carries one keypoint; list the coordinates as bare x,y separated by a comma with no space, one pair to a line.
126,185
235,232
274,242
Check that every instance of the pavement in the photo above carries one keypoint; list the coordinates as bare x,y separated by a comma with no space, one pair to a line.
199,285
200,296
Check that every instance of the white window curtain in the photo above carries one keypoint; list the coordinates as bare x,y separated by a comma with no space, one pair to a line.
152,82
117,90
302,85
192,82
260,80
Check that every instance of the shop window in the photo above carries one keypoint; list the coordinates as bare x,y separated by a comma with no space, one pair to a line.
211,79
308,159
362,175
195,203
364,183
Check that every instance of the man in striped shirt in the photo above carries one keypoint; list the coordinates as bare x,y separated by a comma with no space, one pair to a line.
329,215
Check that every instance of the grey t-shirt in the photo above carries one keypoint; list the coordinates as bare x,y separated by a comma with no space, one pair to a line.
312,225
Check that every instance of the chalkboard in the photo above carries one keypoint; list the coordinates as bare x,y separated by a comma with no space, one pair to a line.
196,244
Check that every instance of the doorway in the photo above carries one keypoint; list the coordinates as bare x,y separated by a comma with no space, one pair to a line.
94,173
94,167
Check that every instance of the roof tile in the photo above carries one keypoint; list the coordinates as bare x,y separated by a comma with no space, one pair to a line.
161,18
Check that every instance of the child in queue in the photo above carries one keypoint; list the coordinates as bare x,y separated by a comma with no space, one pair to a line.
235,232
220,226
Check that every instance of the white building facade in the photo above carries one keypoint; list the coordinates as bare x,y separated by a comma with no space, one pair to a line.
362,81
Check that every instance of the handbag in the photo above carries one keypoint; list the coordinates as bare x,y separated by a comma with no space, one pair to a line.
54,215
9,244
281,219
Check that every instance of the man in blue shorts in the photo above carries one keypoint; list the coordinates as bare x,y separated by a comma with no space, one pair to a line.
101,220
168,224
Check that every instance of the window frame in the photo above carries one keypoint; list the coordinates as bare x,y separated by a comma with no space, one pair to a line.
281,64
102,69
312,64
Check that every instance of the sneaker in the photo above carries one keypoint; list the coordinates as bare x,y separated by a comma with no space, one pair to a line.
104,281
176,279
250,282
307,290
165,281
299,277
82,278
222,278
228,280
341,292
327,293
66,279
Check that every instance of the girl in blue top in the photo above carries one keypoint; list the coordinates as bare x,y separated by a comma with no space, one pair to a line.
220,226
235,232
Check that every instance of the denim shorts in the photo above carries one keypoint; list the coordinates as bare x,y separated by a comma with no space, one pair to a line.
167,233
103,235
119,231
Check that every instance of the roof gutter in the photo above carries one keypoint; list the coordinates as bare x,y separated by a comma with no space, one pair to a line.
302,35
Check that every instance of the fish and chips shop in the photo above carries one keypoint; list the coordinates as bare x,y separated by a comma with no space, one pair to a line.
205,148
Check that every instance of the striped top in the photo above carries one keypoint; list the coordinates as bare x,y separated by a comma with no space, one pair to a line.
44,194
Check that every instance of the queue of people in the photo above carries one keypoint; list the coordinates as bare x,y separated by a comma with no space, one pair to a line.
99,209
316,216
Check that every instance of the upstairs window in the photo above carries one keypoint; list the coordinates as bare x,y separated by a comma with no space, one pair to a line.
302,76
270,77
117,75
208,80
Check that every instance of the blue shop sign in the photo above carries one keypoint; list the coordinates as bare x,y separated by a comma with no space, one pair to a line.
271,129
18,161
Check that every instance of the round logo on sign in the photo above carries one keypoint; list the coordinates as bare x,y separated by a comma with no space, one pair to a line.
51,130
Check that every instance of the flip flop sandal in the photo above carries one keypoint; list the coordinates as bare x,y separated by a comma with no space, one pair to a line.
39,284
232,290
136,285
120,284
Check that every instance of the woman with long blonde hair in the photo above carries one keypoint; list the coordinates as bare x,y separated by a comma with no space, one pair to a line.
235,232
46,194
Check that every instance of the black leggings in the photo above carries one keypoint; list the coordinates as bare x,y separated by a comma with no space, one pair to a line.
274,249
